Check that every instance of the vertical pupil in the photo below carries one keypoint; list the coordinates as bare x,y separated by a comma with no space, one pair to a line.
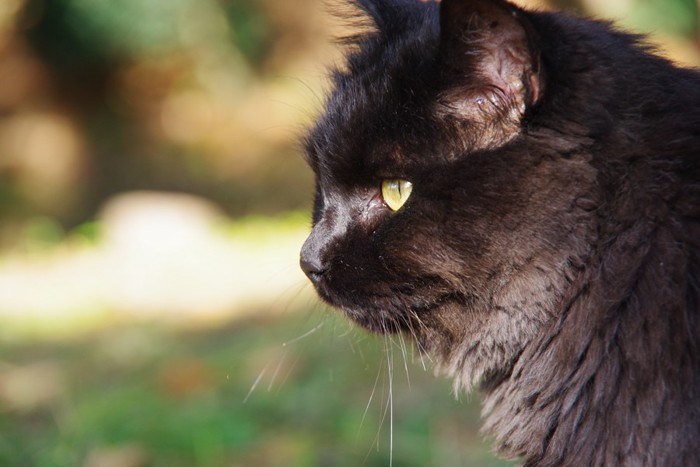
395,192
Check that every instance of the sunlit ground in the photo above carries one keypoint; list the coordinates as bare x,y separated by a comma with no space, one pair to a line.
152,256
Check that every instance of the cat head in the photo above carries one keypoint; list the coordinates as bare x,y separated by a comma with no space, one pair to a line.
437,213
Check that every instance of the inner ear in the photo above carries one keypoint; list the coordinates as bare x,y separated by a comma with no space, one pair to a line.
488,49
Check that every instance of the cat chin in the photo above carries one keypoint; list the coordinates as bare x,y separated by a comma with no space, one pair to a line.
377,326
376,320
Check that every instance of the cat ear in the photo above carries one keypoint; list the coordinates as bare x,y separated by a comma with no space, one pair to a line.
492,43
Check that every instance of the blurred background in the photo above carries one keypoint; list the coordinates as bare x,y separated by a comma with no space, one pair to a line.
153,200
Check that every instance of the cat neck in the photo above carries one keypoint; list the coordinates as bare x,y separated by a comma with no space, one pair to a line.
615,380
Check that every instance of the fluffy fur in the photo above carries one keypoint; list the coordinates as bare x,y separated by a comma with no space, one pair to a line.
550,251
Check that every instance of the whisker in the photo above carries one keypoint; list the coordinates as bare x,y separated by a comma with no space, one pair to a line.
371,397
422,355
255,384
402,346
291,294
274,373
289,372
303,336
383,412
422,360
390,402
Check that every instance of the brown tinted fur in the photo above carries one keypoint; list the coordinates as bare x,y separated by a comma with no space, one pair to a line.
550,251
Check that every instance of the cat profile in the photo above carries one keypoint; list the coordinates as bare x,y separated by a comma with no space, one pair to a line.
519,192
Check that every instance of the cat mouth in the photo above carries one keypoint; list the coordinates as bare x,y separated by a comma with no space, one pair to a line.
388,314
370,312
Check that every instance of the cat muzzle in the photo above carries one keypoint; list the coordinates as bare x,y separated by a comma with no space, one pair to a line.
310,260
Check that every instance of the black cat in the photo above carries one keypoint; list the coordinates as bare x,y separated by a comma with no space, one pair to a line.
520,192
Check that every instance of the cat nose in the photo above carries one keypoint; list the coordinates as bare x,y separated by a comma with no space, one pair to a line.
312,268
310,259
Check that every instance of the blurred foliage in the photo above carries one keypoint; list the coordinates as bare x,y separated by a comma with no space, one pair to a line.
108,96
160,398
75,31
78,31
674,17
250,29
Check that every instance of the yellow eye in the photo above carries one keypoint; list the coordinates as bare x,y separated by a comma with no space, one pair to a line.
396,192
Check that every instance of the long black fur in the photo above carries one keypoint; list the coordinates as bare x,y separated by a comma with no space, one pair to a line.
550,251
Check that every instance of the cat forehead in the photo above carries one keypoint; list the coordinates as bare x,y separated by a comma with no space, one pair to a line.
366,133
353,156
380,109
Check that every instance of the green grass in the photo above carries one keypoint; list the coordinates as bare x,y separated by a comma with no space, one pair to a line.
235,396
